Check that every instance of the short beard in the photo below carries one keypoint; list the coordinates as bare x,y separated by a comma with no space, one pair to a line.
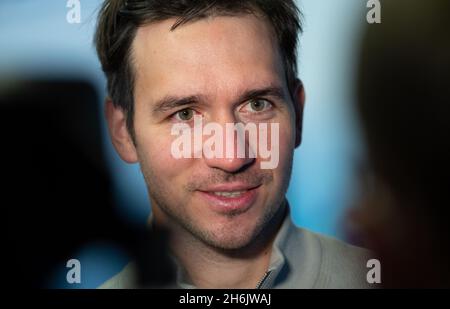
266,226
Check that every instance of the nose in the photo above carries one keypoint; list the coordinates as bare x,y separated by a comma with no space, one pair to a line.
230,165
231,160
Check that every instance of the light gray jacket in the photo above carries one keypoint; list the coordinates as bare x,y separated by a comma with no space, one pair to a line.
300,259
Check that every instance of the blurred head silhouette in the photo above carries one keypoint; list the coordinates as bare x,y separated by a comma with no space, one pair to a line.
403,103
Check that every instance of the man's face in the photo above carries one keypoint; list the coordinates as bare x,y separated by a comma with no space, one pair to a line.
215,62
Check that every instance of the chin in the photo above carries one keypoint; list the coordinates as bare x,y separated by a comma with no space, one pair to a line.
229,243
230,238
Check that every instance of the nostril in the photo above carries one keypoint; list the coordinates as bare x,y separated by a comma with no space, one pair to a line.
230,165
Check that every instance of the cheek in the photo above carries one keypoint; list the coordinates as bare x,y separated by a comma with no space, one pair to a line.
155,155
286,148
286,134
287,140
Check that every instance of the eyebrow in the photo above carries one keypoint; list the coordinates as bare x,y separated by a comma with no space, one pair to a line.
172,102
271,91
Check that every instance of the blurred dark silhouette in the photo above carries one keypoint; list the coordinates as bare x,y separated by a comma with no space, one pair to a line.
56,190
404,107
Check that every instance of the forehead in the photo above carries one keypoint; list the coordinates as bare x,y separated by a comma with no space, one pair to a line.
215,55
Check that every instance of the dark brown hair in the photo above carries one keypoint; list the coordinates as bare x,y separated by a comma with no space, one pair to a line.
119,20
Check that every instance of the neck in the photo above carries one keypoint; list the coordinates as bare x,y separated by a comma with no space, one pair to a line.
208,267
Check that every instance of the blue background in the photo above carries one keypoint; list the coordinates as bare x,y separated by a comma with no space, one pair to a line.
36,40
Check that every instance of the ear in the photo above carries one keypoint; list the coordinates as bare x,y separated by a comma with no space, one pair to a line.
298,98
120,137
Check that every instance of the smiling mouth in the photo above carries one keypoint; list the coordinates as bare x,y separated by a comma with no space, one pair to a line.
230,191
228,194
228,199
229,188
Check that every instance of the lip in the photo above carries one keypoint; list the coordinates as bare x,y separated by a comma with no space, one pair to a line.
227,205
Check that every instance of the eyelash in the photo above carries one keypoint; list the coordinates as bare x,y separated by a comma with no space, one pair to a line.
174,115
270,104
